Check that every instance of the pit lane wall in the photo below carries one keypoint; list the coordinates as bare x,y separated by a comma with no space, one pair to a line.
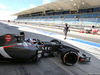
75,25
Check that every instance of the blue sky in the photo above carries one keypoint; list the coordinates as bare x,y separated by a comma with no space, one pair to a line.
13,6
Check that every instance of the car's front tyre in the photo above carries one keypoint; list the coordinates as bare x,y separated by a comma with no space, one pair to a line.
69,58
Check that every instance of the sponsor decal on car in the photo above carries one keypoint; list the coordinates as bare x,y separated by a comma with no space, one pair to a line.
8,38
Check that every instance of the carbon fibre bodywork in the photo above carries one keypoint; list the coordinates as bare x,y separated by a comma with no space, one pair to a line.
21,52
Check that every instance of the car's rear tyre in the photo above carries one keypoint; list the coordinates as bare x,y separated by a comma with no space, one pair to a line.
55,41
69,58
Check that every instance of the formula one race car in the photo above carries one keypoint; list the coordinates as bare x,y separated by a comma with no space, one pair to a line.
17,48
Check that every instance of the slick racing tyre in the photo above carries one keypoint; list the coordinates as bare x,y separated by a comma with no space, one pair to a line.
55,41
69,58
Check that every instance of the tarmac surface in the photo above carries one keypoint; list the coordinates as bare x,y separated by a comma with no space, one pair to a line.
52,66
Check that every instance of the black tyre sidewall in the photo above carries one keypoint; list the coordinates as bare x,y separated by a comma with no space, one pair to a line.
65,55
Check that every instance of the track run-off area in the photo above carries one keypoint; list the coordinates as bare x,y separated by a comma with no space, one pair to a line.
53,66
